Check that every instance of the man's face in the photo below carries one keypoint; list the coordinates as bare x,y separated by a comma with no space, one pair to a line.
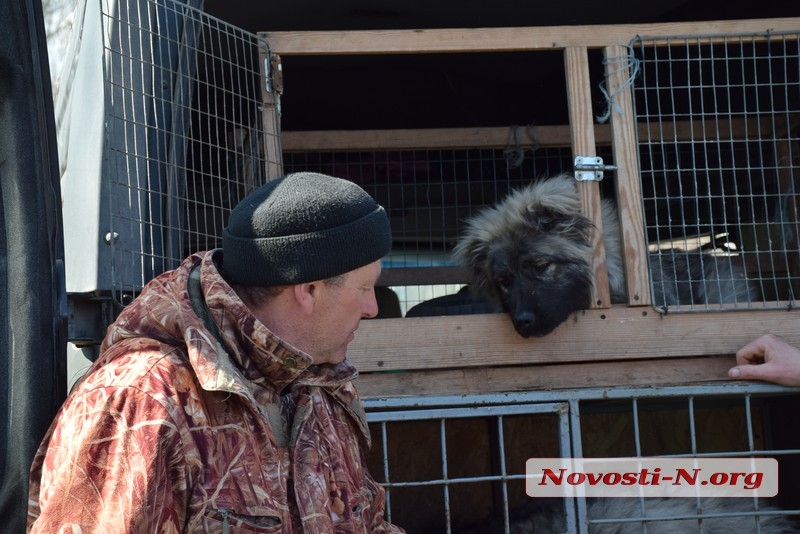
338,311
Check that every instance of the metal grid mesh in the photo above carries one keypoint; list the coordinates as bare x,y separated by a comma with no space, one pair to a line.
719,151
185,142
429,194
456,464
183,131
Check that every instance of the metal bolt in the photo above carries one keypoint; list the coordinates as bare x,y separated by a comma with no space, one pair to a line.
111,237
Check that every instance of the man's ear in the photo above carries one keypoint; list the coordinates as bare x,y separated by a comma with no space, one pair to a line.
306,296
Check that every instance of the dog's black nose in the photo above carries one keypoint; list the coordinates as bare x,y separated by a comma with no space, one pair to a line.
525,323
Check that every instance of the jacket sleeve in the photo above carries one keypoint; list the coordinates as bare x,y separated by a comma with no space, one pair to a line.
110,463
377,522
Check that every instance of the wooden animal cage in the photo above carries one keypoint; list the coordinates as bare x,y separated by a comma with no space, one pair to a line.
608,345
677,117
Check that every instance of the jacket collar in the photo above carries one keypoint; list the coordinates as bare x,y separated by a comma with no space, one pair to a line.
245,343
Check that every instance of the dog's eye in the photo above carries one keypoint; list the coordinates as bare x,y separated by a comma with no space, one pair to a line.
503,283
536,266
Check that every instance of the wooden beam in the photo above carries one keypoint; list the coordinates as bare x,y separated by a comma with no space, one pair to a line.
617,333
542,136
581,119
628,184
411,41
430,138
639,373
270,114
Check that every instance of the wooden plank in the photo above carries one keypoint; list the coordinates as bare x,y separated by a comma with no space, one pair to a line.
270,115
581,120
416,41
723,128
430,138
639,373
617,333
544,136
786,131
628,183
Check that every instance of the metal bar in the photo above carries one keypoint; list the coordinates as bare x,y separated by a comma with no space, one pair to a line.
564,395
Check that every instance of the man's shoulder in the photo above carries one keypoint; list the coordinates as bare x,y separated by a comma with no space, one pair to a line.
145,364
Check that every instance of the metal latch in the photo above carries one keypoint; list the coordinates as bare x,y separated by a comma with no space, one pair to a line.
588,168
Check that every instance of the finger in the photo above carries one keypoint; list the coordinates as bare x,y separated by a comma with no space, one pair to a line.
758,345
749,357
750,372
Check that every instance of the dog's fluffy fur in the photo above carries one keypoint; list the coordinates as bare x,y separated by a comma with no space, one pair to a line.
531,254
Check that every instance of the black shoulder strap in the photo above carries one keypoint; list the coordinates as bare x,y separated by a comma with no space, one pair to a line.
199,304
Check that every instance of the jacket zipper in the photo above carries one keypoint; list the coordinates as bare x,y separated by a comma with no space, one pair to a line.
224,512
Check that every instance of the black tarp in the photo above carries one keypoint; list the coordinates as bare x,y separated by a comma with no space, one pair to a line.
32,295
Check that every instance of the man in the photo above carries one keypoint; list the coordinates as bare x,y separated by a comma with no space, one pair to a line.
222,400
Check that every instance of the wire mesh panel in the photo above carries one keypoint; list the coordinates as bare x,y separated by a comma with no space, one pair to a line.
447,470
719,147
184,132
429,194
457,464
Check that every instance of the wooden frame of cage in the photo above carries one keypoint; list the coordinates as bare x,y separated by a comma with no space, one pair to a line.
605,346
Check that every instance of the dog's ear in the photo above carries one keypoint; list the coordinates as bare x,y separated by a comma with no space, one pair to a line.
559,194
471,250
546,219
572,225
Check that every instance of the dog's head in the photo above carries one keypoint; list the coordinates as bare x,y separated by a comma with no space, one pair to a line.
531,255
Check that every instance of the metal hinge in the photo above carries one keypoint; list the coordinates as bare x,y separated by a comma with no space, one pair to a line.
274,74
588,168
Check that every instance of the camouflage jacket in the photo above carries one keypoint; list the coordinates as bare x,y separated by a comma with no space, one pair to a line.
183,427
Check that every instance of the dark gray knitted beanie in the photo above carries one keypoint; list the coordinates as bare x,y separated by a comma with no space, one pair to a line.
301,228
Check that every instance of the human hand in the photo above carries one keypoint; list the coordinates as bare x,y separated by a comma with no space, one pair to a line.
768,358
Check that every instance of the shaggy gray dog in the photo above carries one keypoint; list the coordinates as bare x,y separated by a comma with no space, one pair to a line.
531,253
